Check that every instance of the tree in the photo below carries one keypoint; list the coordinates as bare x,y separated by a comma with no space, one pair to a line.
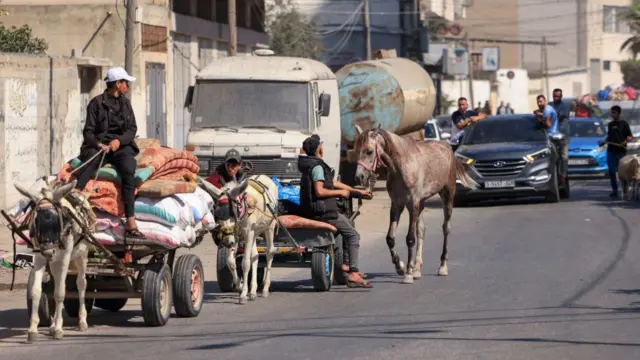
631,73
20,40
291,33
632,17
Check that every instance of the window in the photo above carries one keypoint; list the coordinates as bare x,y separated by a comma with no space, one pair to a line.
612,20
606,65
182,7
205,9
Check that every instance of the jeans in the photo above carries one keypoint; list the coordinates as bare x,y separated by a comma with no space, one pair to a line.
351,237
613,159
563,151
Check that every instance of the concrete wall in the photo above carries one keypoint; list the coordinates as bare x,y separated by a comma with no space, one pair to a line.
460,88
573,82
40,118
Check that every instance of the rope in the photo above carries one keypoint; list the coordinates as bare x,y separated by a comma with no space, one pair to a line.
90,160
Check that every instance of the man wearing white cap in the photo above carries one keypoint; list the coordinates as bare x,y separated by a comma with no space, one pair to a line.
111,128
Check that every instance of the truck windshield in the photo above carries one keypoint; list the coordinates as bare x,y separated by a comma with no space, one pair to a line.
233,103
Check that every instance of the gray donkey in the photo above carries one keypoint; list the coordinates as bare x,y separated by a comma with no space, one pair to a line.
415,172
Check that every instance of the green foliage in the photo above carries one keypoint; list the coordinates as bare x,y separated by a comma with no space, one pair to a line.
631,72
20,40
632,17
446,103
292,34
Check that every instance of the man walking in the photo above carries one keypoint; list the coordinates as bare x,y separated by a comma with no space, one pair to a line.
619,134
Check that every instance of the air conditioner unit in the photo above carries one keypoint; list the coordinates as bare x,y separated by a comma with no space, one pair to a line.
467,3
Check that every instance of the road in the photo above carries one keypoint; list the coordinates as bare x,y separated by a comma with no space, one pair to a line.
526,281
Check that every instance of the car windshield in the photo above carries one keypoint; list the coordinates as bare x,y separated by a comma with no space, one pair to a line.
586,129
510,129
430,131
283,105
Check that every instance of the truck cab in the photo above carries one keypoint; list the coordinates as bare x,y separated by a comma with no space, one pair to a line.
263,106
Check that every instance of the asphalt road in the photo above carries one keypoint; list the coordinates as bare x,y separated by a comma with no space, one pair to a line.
526,281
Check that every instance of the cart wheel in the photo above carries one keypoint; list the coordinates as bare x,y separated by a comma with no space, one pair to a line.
188,285
261,265
339,276
225,279
112,305
322,265
72,306
47,305
157,294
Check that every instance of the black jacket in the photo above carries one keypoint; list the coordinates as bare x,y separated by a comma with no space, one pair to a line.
311,205
97,125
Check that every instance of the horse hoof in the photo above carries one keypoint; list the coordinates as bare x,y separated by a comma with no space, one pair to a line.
408,279
83,327
400,268
265,294
58,334
32,337
242,300
417,274
443,271
253,297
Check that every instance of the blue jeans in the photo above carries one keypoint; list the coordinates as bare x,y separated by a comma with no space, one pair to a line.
613,159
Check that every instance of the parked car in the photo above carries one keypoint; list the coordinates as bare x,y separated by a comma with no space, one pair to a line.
434,132
510,156
586,157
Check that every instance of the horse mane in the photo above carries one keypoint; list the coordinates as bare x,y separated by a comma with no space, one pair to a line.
390,148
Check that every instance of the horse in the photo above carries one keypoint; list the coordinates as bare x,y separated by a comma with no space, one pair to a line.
629,174
415,172
59,241
244,211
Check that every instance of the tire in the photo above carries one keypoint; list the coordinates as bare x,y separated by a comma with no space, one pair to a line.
157,294
339,276
261,265
554,194
72,306
188,286
111,305
47,305
223,273
322,268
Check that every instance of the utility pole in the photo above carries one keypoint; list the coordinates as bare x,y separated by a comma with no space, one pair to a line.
470,71
546,65
233,35
128,37
367,29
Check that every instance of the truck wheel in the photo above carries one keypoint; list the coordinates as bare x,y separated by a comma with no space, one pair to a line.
225,278
47,305
72,306
157,294
339,276
188,286
322,266
111,305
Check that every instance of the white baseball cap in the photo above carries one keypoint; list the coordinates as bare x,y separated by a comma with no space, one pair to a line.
118,73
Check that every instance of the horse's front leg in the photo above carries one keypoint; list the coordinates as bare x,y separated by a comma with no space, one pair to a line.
59,269
394,217
414,213
268,237
249,244
253,290
39,267
81,283
231,264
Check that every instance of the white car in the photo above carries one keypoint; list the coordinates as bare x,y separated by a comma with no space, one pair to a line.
433,132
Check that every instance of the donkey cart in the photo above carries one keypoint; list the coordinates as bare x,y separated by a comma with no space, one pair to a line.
116,273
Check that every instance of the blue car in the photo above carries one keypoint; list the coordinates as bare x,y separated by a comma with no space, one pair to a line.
586,157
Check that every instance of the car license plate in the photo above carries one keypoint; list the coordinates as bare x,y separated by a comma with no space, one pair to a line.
578,161
499,184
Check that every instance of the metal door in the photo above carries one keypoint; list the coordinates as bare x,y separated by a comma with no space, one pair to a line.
156,102
181,83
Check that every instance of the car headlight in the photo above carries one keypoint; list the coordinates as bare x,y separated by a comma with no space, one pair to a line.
463,159
599,149
544,153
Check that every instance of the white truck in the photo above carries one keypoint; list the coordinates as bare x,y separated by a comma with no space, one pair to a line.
263,106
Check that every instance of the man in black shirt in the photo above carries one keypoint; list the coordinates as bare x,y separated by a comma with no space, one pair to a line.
618,135
462,117
111,127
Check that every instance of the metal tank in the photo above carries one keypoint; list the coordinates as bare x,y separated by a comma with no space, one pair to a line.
396,93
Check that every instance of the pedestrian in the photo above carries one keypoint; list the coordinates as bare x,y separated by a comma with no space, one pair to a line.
501,109
487,108
618,135
509,109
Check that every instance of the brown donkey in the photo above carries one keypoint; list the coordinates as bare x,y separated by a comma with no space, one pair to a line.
415,172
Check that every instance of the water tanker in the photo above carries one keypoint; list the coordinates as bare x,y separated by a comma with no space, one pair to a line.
395,93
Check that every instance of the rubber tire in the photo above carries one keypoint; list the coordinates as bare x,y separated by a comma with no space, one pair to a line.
223,273
261,266
72,306
152,278
554,196
565,191
47,305
339,276
182,277
318,269
111,305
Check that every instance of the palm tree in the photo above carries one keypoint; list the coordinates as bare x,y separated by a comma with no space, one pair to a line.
632,17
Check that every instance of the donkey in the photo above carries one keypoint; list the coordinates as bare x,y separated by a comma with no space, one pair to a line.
416,172
58,238
245,210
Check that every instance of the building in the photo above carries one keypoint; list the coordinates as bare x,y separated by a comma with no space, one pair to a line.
173,41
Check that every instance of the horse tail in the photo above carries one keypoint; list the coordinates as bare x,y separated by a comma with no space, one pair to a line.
465,179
